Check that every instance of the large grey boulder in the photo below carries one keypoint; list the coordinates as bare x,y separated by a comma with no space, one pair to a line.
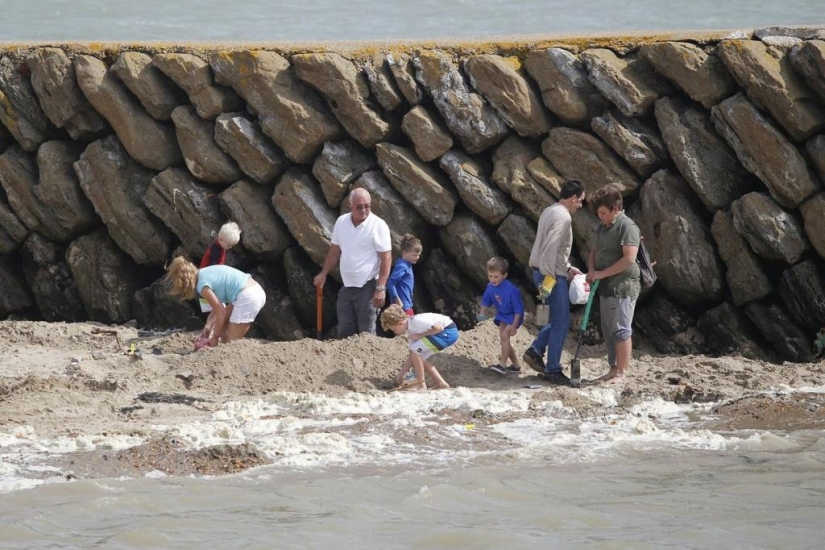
700,154
767,75
449,291
518,233
779,330
157,93
486,201
154,308
390,206
630,84
16,296
422,186
201,153
702,76
50,280
106,278
190,209
194,76
262,231
338,166
299,202
300,270
813,214
347,93
19,92
53,80
668,326
565,88
531,196
772,232
509,92
808,58
510,161
148,141
18,176
256,155
296,119
12,230
382,83
679,240
546,175
23,131
403,70
728,331
278,319
468,116
115,184
745,274
636,140
578,155
802,289
427,132
765,151
585,223
470,244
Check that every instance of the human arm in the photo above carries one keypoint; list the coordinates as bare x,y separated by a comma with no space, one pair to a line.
392,283
628,259
383,274
591,264
217,318
331,260
435,329
517,306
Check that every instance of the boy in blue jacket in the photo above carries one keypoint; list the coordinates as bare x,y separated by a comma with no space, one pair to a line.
402,281
506,298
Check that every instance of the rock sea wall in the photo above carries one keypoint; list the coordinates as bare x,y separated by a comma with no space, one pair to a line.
114,158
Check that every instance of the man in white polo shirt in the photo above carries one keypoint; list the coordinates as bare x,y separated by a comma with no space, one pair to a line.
361,241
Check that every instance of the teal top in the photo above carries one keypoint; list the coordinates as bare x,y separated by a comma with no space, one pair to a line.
226,282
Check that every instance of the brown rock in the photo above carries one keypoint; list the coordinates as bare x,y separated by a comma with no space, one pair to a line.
772,232
669,326
628,83
24,132
728,331
679,240
278,319
116,185
53,80
299,270
767,75
189,209
546,175
390,206
531,196
244,141
565,88
518,234
50,280
510,161
291,114
701,155
777,328
448,288
346,91
469,243
201,153
813,213
158,95
154,308
745,274
465,112
802,289
19,92
299,202
195,77
12,230
418,183
403,70
808,59
262,231
18,176
148,141
16,296
635,140
701,76
585,223
577,155
338,165
428,134
501,83
486,201
382,83
765,151
106,278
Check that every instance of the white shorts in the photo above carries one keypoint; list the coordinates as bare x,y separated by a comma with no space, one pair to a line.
247,305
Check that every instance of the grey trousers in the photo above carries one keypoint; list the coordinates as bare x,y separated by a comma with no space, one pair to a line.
356,312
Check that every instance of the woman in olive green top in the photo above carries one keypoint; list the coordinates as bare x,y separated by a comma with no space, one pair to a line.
613,261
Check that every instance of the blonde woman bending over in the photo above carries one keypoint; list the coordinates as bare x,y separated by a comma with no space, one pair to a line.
218,285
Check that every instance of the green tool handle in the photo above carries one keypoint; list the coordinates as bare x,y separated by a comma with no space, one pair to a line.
593,289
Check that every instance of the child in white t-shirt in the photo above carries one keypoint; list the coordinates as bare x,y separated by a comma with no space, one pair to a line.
427,333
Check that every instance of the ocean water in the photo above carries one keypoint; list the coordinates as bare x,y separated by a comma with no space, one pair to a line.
313,20
450,469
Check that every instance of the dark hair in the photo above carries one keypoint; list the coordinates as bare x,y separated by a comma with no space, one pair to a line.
571,188
607,196
498,264
410,242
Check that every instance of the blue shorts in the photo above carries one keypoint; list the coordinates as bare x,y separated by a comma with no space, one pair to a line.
430,345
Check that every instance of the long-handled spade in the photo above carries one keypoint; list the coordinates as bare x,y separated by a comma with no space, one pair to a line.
575,365
319,312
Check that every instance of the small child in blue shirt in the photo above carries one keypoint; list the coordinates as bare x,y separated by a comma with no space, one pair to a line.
506,298
401,282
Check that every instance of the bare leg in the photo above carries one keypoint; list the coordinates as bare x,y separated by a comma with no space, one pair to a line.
504,338
514,359
234,331
404,369
418,367
617,372
440,383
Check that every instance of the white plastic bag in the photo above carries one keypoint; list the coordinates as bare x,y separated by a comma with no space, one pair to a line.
579,289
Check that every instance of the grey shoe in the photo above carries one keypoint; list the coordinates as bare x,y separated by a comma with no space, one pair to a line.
499,369
533,360
558,378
